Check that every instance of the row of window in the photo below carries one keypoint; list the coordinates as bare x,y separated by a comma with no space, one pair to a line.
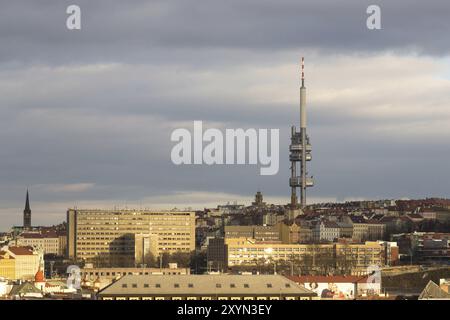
191,285
207,298
113,274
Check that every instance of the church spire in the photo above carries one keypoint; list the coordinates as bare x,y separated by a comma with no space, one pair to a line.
27,203
27,213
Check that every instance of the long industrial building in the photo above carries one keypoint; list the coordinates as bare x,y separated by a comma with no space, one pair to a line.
128,235
250,252
205,287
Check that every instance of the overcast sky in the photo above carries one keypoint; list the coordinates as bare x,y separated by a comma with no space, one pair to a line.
86,116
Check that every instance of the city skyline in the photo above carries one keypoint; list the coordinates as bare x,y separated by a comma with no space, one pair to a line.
384,94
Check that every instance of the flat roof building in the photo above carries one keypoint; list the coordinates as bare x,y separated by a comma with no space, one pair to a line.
205,287
354,257
48,242
110,234
260,233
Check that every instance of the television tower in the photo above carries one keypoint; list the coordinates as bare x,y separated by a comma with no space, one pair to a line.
300,153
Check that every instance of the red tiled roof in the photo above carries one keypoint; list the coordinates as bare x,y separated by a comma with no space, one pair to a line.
21,250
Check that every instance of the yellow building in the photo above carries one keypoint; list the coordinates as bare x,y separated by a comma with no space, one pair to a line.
7,266
245,251
112,233
293,233
369,230
20,262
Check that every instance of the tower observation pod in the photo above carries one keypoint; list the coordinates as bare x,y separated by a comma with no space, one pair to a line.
300,153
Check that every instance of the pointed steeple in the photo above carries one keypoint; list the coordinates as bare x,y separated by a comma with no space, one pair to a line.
27,203
27,213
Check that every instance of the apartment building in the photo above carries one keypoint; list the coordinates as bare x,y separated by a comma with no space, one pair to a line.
245,251
291,232
367,230
260,233
96,234
49,242
20,263
326,231
7,265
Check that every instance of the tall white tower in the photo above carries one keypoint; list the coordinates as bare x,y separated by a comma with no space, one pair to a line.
300,152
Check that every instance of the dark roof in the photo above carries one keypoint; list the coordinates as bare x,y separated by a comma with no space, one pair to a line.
377,216
414,216
388,219
24,288
330,224
49,234
358,219
27,203
373,222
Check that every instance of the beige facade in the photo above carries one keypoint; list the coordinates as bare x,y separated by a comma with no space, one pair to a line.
98,233
7,265
145,244
62,245
26,261
49,244
102,277
260,233
294,233
244,251
205,287
368,231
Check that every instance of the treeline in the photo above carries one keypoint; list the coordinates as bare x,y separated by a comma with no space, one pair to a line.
310,264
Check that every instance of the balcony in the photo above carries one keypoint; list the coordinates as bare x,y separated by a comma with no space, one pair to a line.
297,182
299,147
298,157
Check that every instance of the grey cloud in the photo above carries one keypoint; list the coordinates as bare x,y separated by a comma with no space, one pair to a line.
190,31
97,107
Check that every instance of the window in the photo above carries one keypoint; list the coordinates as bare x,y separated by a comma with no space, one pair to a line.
218,285
134,285
176,285
190,285
146,285
288,285
246,285
269,285
124,285
232,285
158,285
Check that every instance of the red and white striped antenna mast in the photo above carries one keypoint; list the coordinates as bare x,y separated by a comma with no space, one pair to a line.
303,71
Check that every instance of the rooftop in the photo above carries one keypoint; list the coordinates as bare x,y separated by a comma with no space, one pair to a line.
328,279
21,251
210,285
433,291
